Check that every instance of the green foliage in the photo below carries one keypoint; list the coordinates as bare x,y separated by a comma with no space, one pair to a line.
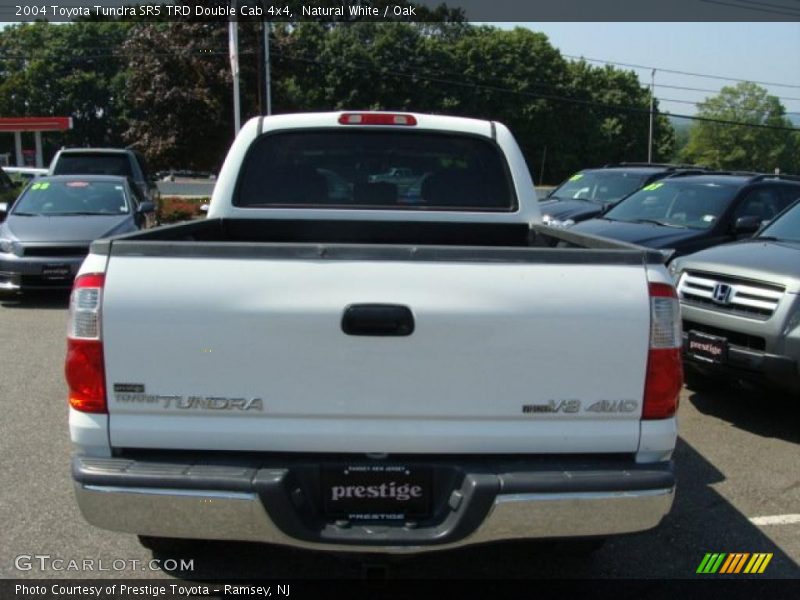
66,70
727,146
178,91
166,86
173,209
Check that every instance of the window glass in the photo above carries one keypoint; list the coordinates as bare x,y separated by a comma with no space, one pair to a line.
600,186
375,169
690,204
75,197
785,227
764,203
93,164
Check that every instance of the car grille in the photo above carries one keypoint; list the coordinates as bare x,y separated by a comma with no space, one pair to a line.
745,340
753,299
55,251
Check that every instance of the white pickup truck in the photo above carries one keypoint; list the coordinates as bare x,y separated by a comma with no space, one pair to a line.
331,363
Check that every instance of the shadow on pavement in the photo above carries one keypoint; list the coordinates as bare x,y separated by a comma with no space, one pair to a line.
701,521
52,300
763,412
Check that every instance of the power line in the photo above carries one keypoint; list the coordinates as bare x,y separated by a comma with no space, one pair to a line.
741,109
693,89
614,107
662,70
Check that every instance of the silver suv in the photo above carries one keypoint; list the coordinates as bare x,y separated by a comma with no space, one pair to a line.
740,304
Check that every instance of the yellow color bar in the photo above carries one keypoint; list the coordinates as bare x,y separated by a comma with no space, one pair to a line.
758,563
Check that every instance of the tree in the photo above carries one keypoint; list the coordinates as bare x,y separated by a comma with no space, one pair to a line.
727,146
611,121
179,91
66,70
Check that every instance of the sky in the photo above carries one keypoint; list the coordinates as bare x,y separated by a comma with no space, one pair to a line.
768,52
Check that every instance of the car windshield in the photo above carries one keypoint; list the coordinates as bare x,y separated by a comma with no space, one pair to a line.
599,186
786,227
377,169
73,197
689,204
86,163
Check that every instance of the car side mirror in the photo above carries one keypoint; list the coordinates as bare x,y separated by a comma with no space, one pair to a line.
748,224
3,210
146,207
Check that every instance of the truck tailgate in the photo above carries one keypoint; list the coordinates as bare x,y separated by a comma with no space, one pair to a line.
250,354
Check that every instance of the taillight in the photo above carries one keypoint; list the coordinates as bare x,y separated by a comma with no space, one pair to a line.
84,364
376,119
664,370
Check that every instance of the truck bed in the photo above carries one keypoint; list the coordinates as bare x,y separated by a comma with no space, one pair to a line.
376,239
491,324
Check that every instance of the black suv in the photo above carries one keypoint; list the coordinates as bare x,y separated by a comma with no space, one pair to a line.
685,213
590,192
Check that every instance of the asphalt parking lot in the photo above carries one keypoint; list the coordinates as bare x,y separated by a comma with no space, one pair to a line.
737,467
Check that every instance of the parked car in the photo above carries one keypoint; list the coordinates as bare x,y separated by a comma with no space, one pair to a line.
47,232
123,162
590,192
9,190
372,376
686,213
741,308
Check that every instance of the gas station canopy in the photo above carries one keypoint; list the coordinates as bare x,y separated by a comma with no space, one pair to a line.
18,125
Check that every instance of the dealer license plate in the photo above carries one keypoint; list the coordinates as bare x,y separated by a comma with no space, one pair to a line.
56,271
709,348
377,492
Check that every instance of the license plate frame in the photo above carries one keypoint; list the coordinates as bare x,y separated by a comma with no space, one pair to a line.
364,492
56,271
708,348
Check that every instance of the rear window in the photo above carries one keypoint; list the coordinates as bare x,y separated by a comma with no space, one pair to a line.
375,169
93,164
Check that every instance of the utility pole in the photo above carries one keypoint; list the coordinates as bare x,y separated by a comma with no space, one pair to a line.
233,48
265,27
541,171
652,107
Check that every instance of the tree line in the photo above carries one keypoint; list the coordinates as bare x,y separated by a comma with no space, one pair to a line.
165,87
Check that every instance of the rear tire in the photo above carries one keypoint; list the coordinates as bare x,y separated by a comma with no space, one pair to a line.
582,548
167,546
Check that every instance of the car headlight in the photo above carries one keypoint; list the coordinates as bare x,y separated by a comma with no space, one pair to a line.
553,222
10,247
675,270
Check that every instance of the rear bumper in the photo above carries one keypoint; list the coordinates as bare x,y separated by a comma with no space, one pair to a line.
474,504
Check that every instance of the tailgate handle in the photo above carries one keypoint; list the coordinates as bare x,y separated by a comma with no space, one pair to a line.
378,319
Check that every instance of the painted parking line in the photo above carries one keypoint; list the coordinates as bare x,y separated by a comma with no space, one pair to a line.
776,520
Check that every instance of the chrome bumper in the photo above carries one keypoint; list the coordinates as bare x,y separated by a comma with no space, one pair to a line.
241,515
